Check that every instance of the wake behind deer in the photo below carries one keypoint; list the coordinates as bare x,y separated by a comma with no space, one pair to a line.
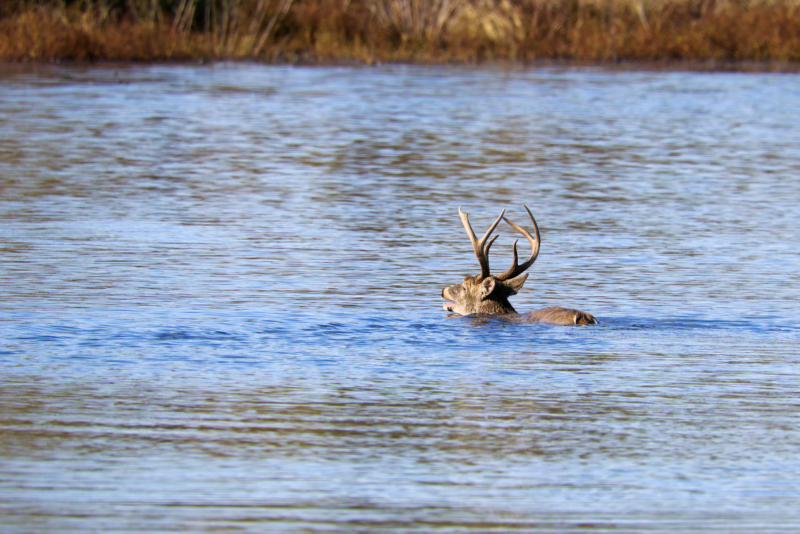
487,294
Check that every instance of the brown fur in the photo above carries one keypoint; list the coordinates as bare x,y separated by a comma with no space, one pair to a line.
558,315
490,297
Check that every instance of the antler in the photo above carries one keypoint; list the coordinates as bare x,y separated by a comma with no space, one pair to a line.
480,246
516,270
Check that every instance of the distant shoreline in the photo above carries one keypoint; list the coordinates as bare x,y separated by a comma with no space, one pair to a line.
673,34
677,65
681,65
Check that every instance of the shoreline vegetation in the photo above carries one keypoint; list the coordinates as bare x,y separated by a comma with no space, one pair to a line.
418,31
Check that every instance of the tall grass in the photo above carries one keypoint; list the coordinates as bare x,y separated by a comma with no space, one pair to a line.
400,30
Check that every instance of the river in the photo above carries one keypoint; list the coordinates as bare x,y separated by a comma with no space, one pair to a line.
220,300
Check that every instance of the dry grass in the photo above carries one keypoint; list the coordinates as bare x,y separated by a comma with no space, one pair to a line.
42,34
403,30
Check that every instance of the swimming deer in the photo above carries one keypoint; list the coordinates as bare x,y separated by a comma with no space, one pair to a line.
489,294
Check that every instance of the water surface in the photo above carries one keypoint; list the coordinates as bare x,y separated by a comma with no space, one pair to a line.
221,300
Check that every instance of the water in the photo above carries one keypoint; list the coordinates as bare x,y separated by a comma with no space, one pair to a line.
221,300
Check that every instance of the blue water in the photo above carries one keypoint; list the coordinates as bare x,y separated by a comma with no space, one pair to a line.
220,300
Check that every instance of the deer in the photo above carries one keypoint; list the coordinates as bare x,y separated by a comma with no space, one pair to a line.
488,295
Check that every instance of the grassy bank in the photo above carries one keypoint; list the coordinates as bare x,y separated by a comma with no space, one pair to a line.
401,30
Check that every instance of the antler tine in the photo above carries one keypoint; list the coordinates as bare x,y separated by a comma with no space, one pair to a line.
478,244
516,270
488,246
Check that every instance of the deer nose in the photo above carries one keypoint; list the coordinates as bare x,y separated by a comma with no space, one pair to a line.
442,293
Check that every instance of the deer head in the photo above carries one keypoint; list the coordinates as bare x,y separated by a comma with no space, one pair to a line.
485,293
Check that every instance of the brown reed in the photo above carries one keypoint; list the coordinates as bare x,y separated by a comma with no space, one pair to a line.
402,30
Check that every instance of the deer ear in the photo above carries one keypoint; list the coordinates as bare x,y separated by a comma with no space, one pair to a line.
515,284
487,286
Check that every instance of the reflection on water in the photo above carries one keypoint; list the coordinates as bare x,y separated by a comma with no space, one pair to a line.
220,305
